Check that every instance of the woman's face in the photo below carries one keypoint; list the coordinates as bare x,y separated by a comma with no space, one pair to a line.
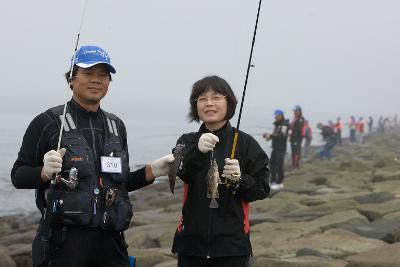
212,107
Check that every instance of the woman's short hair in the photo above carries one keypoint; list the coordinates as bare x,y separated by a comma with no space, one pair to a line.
218,85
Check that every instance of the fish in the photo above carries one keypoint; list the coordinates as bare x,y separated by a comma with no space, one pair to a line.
212,184
175,165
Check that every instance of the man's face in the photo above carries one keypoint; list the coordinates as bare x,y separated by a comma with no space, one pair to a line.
296,113
91,85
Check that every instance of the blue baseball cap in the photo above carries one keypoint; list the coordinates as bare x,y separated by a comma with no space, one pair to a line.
90,55
278,112
297,107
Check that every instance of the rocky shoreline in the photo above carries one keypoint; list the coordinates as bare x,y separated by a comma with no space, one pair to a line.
342,212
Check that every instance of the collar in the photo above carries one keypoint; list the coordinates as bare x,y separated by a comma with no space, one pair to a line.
73,105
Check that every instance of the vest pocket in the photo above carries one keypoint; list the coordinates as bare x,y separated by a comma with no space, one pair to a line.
117,210
74,207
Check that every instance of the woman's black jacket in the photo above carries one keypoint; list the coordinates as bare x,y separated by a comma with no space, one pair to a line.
225,231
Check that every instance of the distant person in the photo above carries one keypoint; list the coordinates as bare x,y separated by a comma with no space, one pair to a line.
370,124
279,140
331,124
338,130
381,125
296,137
307,135
329,136
214,229
353,128
360,129
86,211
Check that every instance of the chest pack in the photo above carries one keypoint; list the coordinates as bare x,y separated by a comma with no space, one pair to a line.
84,194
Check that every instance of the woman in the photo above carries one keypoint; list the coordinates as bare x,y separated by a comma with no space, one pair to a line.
214,228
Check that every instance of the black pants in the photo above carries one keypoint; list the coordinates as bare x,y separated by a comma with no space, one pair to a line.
276,166
296,152
87,247
233,261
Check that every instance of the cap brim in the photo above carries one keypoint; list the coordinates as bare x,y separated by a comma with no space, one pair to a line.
88,65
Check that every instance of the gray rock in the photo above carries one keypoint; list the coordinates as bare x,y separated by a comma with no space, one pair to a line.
387,256
378,197
5,259
383,229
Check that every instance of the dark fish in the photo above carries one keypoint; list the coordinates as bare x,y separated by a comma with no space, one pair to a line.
175,165
212,184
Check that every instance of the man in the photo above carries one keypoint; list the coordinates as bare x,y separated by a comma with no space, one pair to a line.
338,130
296,136
279,140
329,136
307,135
87,208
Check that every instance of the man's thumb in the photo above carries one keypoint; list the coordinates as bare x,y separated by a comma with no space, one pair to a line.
62,152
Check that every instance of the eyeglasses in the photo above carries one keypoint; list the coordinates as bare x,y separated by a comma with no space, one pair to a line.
213,99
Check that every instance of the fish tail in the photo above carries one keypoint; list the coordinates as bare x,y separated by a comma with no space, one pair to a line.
213,204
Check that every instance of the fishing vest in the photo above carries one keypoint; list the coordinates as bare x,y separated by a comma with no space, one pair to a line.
99,198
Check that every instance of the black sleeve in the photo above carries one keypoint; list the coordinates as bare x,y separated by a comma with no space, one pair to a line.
136,179
254,183
193,158
25,173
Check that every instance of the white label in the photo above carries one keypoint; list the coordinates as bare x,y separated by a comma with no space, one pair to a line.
111,164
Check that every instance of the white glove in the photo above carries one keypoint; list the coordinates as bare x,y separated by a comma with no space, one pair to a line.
231,169
207,142
52,162
159,167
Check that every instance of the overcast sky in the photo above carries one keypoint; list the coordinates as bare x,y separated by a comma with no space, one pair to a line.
333,57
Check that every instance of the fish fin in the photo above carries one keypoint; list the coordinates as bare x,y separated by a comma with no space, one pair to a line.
213,204
208,194
217,194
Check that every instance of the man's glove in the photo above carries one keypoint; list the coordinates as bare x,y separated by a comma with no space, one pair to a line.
159,167
232,173
207,142
52,162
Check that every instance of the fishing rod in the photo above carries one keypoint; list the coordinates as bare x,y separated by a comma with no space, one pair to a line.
50,204
70,74
245,84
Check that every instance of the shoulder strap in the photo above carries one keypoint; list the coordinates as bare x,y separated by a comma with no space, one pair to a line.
112,123
69,123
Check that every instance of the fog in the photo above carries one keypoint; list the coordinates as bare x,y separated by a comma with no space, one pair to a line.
334,58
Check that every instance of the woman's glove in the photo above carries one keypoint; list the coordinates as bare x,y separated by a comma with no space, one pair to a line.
231,173
207,142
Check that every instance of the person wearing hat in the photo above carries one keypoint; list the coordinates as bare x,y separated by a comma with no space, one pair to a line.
279,141
296,135
87,208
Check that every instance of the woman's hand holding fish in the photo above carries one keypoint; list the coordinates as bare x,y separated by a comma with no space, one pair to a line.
207,142
231,169
232,173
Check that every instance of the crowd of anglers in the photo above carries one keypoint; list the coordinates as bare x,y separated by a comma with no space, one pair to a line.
299,129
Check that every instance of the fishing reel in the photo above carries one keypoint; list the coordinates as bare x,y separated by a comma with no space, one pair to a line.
232,182
72,180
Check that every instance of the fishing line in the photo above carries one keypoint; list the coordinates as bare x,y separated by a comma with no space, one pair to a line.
245,84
